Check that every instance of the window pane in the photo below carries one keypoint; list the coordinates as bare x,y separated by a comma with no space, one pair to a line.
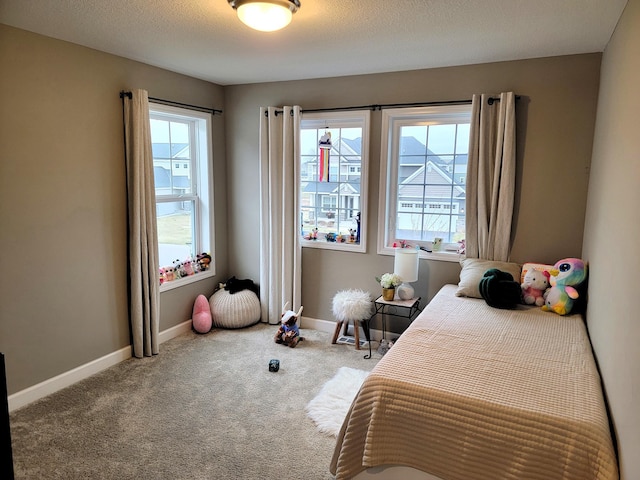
171,147
409,226
436,226
413,140
462,138
427,170
159,131
179,133
332,206
460,171
442,139
175,231
182,173
458,228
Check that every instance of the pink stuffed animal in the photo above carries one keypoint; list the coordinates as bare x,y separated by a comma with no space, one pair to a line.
534,285
201,317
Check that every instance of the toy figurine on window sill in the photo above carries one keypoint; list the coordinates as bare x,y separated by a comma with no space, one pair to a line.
203,260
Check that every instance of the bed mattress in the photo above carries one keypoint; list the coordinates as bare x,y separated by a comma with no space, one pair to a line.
470,391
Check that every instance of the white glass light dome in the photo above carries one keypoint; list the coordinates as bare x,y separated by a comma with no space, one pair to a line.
265,15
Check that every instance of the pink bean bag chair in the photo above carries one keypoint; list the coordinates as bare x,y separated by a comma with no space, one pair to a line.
201,317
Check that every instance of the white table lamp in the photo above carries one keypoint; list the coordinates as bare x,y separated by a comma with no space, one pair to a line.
406,266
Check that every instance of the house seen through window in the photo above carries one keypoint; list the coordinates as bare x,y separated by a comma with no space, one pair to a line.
181,144
333,179
424,164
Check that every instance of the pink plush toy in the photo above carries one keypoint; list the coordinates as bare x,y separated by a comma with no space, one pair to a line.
201,317
534,285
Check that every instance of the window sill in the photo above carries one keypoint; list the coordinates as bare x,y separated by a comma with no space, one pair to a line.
442,256
323,244
181,282
445,256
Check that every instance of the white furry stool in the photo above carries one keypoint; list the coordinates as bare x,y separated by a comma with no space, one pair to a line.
351,306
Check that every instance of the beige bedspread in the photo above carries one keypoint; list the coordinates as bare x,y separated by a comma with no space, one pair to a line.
474,392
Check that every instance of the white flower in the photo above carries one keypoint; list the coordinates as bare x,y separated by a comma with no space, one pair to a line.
389,280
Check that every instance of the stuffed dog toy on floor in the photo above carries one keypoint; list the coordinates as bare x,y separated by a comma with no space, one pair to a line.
288,333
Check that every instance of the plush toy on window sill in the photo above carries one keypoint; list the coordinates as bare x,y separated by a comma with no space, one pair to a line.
534,286
567,276
288,333
203,260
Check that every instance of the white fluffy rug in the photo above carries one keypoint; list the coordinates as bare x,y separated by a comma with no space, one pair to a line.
329,408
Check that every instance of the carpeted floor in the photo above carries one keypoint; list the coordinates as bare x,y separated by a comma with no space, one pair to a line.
206,407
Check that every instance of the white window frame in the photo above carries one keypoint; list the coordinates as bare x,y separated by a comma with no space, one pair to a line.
202,172
346,119
392,120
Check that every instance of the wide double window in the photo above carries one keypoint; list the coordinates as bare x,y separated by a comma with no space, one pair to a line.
423,176
334,153
181,144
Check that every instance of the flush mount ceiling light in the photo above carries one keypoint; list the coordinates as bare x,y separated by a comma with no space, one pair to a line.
265,15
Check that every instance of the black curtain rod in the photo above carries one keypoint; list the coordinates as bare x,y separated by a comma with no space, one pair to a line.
389,105
491,100
171,103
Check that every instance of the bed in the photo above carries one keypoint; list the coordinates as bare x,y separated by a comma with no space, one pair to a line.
475,392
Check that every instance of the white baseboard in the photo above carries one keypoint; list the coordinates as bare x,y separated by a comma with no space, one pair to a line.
52,385
329,326
173,332
317,324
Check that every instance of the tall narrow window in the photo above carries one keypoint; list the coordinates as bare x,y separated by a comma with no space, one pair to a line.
181,144
334,153
423,177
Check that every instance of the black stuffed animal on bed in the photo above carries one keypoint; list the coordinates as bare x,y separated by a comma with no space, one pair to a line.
500,290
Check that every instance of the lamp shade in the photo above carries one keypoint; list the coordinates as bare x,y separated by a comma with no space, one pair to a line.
265,15
406,264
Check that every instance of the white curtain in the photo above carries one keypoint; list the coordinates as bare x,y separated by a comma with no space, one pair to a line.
144,295
280,251
491,173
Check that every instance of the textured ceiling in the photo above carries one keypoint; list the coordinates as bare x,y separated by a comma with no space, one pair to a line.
204,39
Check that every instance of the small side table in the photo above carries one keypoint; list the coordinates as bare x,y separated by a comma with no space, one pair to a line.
396,307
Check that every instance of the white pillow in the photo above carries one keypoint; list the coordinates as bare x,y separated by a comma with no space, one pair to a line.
472,271
538,266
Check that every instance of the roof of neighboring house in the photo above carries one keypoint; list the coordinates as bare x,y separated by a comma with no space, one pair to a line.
162,179
348,150
170,150
331,187
354,144
436,175
413,146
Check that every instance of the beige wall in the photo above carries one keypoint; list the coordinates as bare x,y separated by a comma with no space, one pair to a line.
63,295
555,129
612,230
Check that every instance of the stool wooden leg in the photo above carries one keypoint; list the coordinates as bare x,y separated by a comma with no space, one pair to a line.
356,329
336,332
345,332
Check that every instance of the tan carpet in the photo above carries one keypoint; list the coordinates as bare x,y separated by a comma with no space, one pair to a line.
207,407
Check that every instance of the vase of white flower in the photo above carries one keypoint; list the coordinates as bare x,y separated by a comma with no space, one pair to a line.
388,294
389,282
